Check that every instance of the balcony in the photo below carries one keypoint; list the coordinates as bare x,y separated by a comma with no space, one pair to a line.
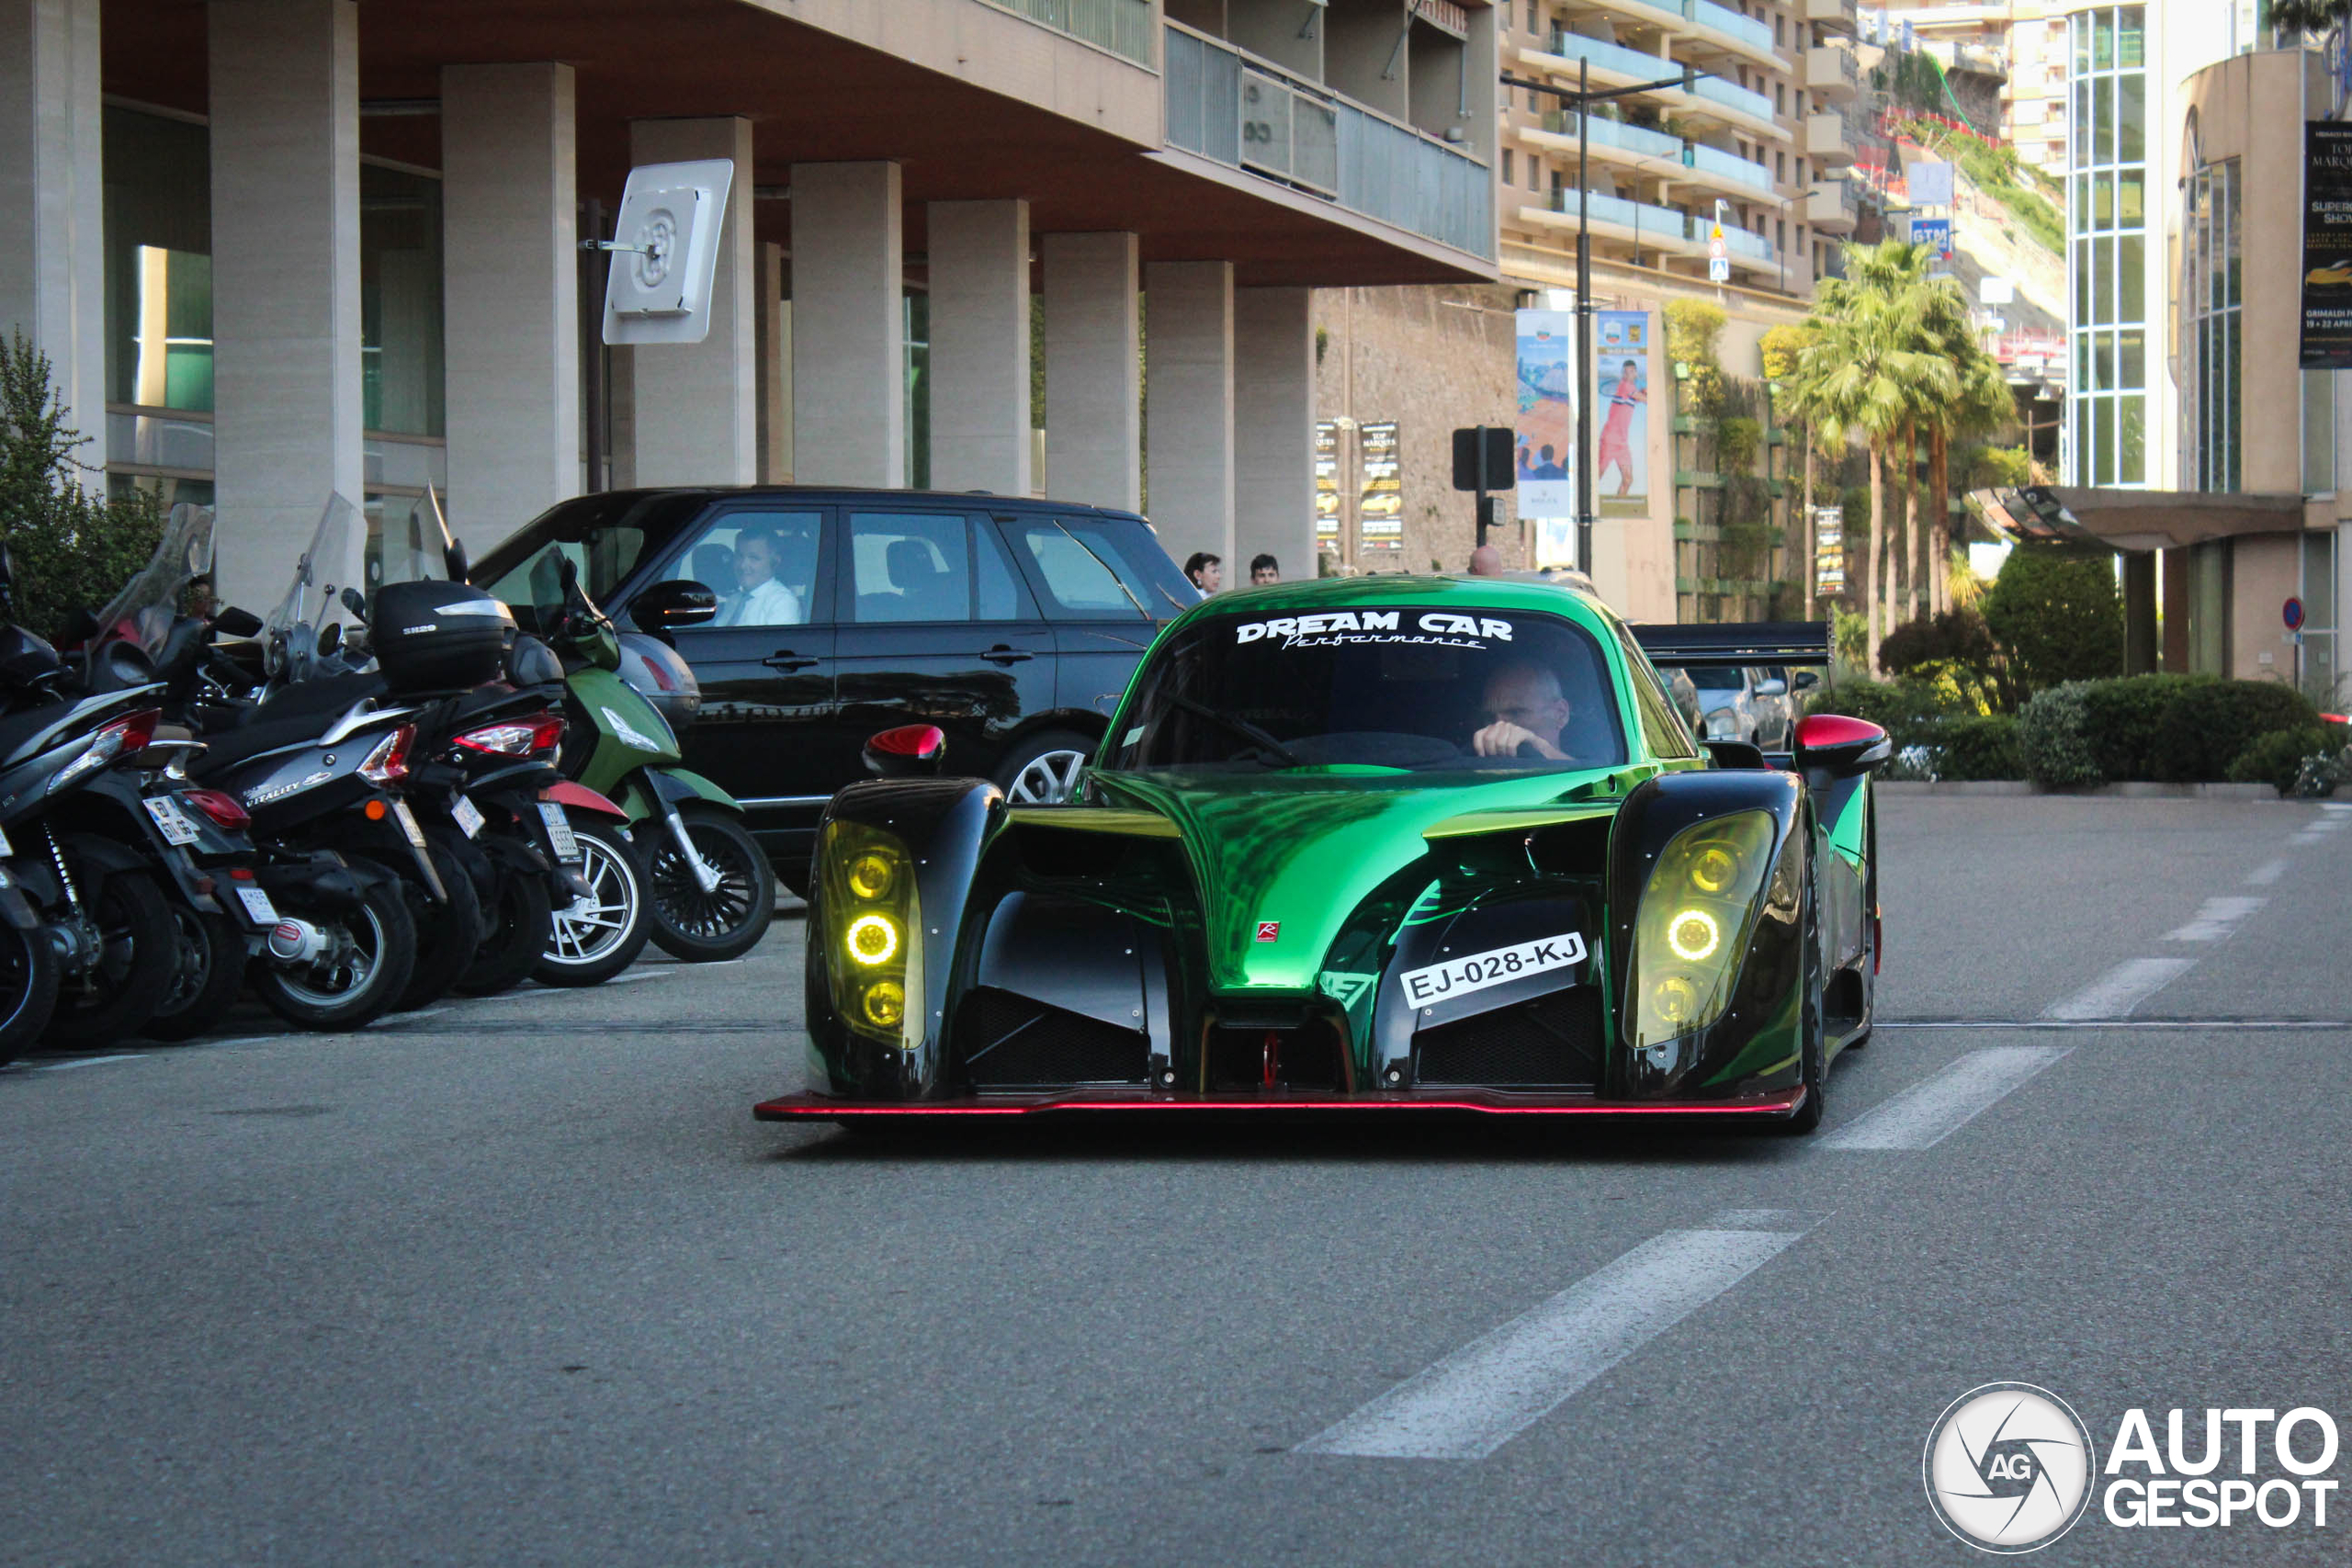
1753,106
1607,136
1723,170
1748,250
1827,141
1614,65
1831,16
1123,27
1247,113
1831,208
1654,152
1613,216
1831,73
1710,17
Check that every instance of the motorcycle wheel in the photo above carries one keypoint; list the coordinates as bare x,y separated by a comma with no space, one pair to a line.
727,921
139,952
518,925
28,989
448,935
595,938
365,966
211,974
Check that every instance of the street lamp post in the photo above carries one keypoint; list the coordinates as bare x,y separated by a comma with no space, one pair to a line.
1584,98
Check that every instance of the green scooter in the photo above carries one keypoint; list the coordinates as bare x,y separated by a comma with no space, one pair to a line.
713,891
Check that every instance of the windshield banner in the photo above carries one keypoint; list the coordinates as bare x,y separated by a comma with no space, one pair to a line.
1335,626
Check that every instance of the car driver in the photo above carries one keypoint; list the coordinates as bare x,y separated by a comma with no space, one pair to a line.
760,599
1526,704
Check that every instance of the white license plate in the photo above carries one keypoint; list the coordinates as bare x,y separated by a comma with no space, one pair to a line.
257,904
468,814
1476,971
566,848
171,821
407,820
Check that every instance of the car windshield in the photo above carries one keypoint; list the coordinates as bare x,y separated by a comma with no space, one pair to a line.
1716,678
604,536
1410,687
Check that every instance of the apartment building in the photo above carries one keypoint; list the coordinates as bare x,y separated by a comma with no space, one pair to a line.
281,248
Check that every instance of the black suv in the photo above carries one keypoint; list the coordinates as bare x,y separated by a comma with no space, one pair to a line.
1011,625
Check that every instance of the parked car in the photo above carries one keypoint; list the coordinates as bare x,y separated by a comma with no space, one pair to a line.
1744,702
1012,625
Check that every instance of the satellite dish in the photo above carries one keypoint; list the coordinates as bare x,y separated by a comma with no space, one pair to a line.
665,252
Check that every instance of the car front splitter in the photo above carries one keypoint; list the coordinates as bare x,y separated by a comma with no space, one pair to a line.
1485,1102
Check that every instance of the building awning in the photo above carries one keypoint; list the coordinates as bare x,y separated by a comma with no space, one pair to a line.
2132,520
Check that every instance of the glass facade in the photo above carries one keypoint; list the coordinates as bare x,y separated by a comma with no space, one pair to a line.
2212,309
2107,239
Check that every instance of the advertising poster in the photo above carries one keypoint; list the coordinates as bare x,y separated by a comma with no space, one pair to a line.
1829,550
1327,484
1544,434
1556,542
1621,360
1935,234
1380,508
2327,245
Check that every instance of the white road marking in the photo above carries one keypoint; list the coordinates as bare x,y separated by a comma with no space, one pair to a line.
2121,989
1924,1114
1475,1401
2215,918
394,1018
631,976
86,1062
2264,875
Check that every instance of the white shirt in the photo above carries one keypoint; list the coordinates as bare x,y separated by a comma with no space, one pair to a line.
769,605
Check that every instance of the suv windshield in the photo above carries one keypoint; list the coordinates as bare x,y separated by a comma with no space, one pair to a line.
1404,687
604,536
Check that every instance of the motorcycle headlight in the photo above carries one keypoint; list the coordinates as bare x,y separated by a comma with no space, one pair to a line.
871,932
1693,924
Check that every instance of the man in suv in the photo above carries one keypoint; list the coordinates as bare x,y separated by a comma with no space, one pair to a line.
1012,625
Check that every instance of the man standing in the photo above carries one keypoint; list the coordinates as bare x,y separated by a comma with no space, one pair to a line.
1264,569
1207,572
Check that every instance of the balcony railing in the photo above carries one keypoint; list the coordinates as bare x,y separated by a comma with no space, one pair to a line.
1706,13
1634,139
1743,172
1641,66
1750,247
1249,114
1123,27
1836,15
1643,219
1733,96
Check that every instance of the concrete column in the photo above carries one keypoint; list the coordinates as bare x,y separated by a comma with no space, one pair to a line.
774,335
1273,431
510,273
1093,372
697,403
286,423
1188,389
849,377
980,346
53,266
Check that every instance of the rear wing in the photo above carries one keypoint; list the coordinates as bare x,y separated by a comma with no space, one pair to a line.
1737,643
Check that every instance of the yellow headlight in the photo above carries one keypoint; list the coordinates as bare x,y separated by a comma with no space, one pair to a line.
886,1003
1694,934
872,938
1674,999
870,875
1713,868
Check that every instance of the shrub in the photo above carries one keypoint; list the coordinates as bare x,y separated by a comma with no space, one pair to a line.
2124,722
1984,747
2056,610
2278,757
2049,739
2209,722
1906,711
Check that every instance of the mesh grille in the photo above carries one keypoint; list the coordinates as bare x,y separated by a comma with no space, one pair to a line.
1553,1042
1014,1039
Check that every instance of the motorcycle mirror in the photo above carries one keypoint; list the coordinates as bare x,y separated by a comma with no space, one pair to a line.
237,623
911,750
453,556
330,638
356,602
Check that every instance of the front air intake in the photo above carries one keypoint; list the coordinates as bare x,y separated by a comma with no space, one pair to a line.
1016,1042
1548,1041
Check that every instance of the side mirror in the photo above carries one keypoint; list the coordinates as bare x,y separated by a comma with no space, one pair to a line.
1736,754
1806,680
1839,747
911,750
237,623
665,607
1772,686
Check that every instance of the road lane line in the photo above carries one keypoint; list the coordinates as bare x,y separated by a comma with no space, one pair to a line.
1928,1113
86,1062
1475,1401
2264,875
2121,989
2215,918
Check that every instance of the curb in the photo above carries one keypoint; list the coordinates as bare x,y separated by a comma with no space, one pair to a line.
2133,790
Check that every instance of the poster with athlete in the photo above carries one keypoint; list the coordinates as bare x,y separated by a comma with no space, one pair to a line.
1621,362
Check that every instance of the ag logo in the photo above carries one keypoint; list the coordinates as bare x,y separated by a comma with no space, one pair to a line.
2008,1467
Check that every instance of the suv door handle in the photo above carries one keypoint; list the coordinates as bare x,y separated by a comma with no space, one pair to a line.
786,659
1005,653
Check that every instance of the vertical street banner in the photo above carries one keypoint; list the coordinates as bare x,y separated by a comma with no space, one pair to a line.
1380,506
1829,550
1544,433
2327,245
1621,362
1327,486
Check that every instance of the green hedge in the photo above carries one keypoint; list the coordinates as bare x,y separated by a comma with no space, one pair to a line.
1965,745
2164,729
2209,723
1980,747
2277,759
2124,723
2051,739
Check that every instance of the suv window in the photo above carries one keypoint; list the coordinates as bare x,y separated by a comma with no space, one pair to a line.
1093,568
761,563
604,535
929,566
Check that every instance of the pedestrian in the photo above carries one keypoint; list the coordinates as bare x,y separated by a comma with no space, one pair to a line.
1207,572
1486,561
1264,569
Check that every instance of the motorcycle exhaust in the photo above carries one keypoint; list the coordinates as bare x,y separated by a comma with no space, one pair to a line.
293,942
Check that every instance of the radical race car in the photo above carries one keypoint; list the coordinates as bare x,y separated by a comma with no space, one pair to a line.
1386,844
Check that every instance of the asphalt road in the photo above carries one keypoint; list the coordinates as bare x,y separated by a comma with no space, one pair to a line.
521,1281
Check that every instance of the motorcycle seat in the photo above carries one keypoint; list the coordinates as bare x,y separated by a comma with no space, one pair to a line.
330,695
252,738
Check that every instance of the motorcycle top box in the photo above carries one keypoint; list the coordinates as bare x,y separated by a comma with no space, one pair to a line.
430,635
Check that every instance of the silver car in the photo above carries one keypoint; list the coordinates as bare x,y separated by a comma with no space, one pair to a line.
1743,703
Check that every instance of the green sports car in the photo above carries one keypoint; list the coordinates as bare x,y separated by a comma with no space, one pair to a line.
1376,845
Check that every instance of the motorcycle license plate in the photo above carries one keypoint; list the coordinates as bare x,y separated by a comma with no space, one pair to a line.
171,821
257,905
566,848
468,814
407,818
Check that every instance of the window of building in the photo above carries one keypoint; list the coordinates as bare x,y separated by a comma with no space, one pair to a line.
1532,17
1507,173
2107,255
1779,30
1535,173
400,301
2212,311
1781,234
1781,166
1779,97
